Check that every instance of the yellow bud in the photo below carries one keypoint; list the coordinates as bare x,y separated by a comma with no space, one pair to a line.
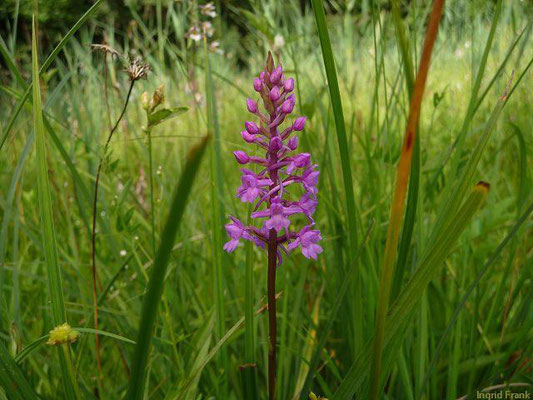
145,100
62,334
312,396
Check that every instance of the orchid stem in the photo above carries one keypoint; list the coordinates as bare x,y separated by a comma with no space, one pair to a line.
272,324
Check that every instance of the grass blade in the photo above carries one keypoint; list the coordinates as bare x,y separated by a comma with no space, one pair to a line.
324,331
55,287
472,105
402,308
458,190
217,214
12,380
45,66
340,128
155,285
336,103
466,296
397,206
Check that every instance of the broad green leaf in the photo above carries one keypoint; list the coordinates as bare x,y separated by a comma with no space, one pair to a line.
165,114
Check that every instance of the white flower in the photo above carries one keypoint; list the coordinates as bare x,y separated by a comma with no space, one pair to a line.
207,28
208,10
279,42
123,253
194,34
215,47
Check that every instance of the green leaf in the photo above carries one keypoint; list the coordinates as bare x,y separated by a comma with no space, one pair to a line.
165,114
59,315
12,380
154,291
44,67
401,310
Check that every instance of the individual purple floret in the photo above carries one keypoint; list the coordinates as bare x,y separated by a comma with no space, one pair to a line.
278,169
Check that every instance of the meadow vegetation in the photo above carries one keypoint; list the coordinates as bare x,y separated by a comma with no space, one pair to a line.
177,316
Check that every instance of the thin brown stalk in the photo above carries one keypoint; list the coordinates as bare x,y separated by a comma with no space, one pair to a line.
398,201
93,232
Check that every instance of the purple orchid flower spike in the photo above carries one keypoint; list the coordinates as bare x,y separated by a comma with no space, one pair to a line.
267,187
276,171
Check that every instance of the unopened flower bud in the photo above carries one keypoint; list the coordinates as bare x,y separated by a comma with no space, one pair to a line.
258,85
145,100
275,76
241,157
251,105
275,143
248,137
274,93
288,85
158,97
299,124
293,143
287,106
252,127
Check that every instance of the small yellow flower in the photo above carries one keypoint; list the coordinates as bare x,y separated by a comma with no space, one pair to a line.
62,334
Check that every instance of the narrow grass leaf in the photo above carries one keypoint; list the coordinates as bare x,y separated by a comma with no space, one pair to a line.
12,380
155,284
55,286
44,68
401,309
512,232
356,310
397,206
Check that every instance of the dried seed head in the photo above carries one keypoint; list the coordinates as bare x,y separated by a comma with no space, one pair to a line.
137,69
105,49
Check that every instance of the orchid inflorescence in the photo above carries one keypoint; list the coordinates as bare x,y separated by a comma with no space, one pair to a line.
280,169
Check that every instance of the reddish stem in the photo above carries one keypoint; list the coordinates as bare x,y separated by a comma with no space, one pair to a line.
272,324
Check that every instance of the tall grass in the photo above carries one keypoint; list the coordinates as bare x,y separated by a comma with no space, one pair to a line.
192,323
